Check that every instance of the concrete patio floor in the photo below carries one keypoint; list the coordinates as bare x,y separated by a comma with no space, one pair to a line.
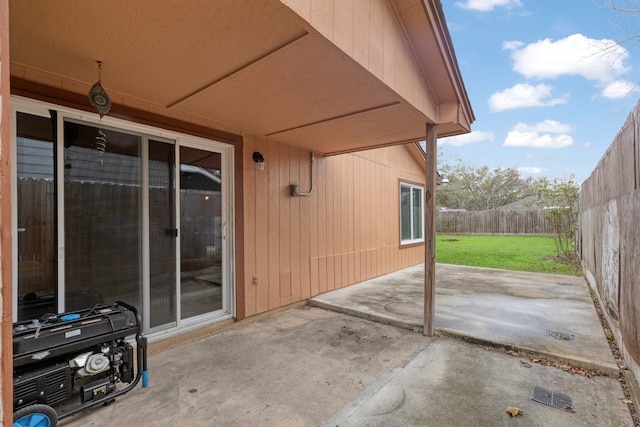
307,366
546,315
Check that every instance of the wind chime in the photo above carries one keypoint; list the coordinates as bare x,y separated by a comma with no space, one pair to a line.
101,102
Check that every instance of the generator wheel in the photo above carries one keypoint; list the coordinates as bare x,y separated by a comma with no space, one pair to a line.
37,415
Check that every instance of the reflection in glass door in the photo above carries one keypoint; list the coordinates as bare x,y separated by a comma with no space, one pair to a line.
201,226
102,216
37,285
163,234
110,211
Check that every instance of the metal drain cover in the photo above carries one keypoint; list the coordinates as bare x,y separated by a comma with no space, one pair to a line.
553,399
561,336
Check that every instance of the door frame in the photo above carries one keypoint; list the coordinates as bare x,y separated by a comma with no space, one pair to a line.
227,151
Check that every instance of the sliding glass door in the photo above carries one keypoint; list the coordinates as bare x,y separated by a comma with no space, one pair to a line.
163,233
201,246
117,211
102,216
36,291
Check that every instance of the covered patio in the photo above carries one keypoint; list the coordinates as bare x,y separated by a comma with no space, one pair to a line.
221,80
309,366
283,69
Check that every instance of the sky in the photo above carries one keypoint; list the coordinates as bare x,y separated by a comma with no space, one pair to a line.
551,82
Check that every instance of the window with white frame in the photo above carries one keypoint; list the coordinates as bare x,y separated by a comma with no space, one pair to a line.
411,213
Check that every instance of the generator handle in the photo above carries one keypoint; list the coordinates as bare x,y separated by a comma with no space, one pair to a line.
141,347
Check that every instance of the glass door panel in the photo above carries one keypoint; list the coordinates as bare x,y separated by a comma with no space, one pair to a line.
36,206
163,234
201,273
102,206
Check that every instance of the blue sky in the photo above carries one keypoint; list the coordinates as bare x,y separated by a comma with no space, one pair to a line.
549,82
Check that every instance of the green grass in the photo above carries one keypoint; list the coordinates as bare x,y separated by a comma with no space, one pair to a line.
523,253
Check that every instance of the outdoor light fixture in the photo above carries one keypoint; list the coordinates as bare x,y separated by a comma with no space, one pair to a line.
259,159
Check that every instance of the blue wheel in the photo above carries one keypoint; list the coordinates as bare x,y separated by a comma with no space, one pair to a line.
35,416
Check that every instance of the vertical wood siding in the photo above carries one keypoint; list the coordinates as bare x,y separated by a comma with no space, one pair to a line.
6,242
345,232
370,32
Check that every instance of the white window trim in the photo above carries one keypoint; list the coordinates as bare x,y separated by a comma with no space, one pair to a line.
411,186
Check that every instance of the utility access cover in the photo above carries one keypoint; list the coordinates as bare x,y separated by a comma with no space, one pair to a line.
551,398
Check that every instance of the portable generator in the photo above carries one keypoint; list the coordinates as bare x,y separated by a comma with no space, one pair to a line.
65,363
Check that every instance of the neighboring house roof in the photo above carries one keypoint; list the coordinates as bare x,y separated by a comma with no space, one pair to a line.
529,202
314,77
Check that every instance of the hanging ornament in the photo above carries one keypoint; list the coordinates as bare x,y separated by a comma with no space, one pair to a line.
98,96
101,144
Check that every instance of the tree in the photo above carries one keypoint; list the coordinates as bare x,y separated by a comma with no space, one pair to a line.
632,8
482,188
560,199
632,37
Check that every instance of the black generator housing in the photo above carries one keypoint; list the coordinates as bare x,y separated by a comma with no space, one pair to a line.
68,362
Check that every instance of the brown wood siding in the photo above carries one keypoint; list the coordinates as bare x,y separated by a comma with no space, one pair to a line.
370,32
345,232
6,260
288,249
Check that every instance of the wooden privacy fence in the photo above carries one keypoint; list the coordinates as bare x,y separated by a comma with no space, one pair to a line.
103,232
497,221
609,241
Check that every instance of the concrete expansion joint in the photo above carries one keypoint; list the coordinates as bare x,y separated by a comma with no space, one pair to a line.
588,368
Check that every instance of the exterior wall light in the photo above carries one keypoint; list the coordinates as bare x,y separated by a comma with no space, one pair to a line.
259,159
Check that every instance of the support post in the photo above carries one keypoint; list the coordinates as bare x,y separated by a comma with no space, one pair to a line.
430,230
6,260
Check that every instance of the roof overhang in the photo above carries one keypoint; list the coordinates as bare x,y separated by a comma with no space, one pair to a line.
251,66
429,34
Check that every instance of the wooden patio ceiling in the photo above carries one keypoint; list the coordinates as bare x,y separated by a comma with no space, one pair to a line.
252,65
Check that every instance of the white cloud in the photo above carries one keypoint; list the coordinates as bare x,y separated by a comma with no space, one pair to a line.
467,138
488,5
586,144
599,60
512,45
546,134
535,140
550,126
531,170
619,89
523,95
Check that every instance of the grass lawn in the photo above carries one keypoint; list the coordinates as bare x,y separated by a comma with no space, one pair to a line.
524,253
